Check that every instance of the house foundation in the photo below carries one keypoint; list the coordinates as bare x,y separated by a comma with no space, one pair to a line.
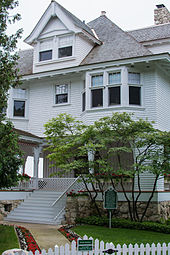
81,206
6,206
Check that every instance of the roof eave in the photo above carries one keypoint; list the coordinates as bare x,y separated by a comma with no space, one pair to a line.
86,67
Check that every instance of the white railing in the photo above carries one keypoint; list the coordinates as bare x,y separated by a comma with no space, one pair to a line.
60,203
45,184
100,246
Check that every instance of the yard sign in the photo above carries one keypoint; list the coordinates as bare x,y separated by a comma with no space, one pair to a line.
85,245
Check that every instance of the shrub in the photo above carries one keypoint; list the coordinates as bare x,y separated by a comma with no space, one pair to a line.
123,223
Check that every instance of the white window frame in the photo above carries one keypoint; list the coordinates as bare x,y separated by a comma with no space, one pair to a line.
55,47
138,85
68,94
17,98
66,45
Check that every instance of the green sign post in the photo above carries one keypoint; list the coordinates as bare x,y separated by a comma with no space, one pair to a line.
110,202
85,245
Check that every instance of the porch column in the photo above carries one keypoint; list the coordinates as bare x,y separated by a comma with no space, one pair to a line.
37,151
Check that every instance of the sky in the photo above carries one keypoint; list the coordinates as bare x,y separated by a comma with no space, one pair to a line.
127,14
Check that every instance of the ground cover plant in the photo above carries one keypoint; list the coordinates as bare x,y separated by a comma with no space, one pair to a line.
26,239
69,233
121,235
8,238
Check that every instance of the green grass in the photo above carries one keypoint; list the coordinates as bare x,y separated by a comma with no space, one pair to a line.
8,238
121,235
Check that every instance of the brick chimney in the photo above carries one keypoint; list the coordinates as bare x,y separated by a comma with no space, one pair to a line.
161,15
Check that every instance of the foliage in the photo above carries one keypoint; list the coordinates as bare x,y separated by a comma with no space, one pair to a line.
9,150
10,156
123,223
68,233
121,235
79,193
26,239
115,149
8,239
8,59
23,177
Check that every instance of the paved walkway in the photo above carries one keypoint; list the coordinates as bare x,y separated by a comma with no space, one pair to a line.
47,236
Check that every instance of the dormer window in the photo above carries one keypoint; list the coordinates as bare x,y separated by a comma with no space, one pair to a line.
46,50
65,46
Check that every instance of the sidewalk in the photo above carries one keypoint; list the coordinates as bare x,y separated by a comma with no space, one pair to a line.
47,236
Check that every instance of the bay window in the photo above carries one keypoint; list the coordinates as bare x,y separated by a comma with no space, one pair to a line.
134,81
114,79
114,95
134,95
96,90
97,97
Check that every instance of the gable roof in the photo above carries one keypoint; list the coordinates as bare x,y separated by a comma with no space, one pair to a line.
117,44
76,21
151,33
56,10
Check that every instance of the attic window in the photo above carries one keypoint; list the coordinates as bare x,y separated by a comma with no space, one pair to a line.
45,50
65,47
45,55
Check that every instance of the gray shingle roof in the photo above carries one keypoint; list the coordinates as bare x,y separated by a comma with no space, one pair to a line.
77,21
117,44
25,62
151,33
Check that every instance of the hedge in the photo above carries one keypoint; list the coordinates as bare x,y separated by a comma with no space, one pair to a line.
123,223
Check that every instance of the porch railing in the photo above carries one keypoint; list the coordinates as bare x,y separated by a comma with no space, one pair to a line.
60,203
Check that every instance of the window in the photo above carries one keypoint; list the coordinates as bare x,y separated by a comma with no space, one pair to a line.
61,94
19,102
134,78
114,78
45,55
97,80
83,101
114,95
19,108
65,46
46,50
134,95
97,97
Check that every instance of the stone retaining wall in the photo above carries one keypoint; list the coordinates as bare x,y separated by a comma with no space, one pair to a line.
8,205
81,206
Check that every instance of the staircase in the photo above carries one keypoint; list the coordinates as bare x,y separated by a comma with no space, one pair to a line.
37,208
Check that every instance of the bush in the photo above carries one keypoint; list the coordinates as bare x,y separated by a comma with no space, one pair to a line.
123,223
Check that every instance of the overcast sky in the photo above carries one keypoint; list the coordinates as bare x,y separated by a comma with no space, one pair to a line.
128,14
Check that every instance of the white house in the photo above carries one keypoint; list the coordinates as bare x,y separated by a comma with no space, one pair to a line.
90,71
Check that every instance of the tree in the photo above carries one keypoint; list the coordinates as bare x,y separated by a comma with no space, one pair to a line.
8,59
113,141
9,151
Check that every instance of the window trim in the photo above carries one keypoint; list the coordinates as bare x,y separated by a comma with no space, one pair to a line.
100,106
136,86
68,93
25,99
55,48
19,100
115,86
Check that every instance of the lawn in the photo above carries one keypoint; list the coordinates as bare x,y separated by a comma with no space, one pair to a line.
121,235
8,239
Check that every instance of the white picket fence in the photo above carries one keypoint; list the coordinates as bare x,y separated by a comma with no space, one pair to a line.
100,246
